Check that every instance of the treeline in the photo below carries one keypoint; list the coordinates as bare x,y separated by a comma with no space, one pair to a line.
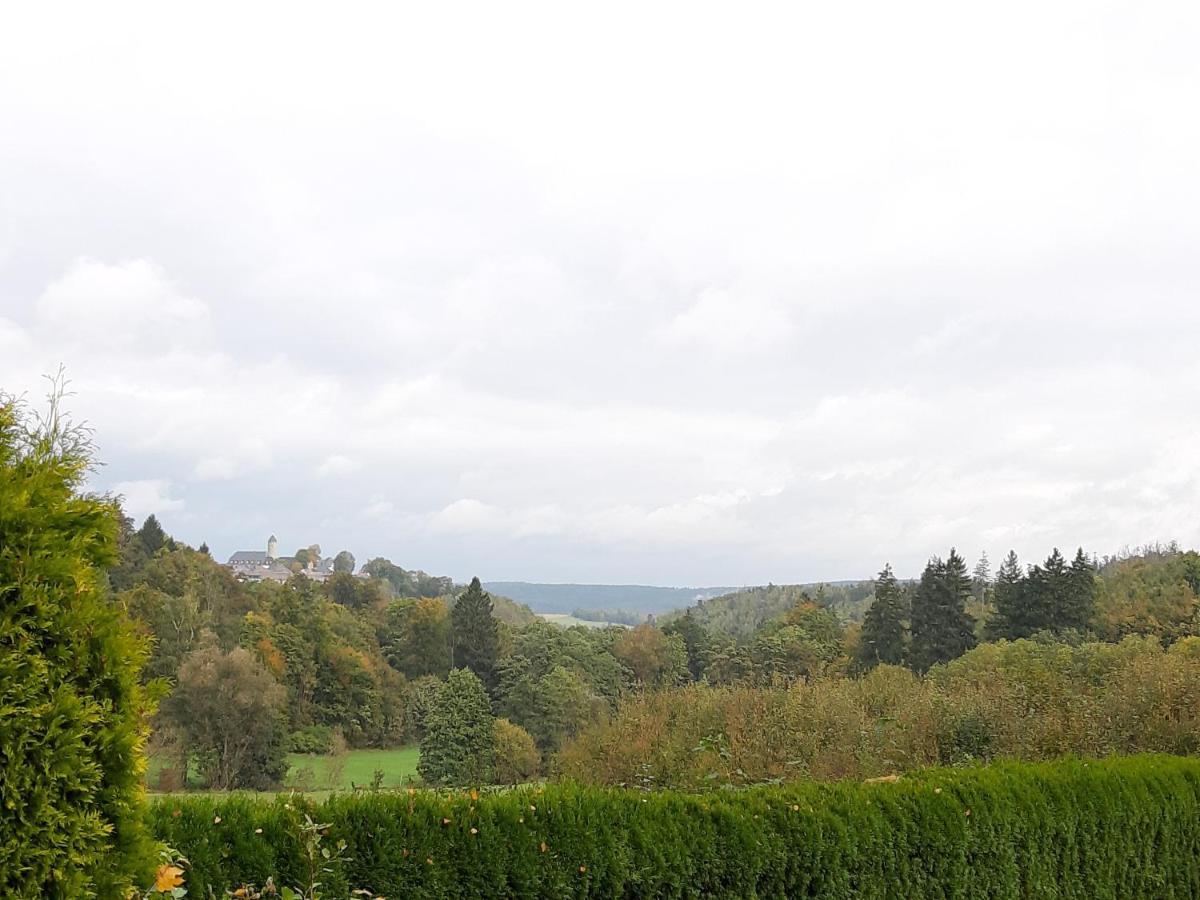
492,692
1024,700
740,614
253,671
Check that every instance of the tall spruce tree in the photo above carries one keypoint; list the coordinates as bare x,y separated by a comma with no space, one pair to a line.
1081,593
152,535
882,636
474,634
1008,594
981,581
941,628
1044,598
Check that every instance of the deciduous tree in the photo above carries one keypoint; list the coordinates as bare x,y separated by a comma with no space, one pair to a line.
230,712
655,659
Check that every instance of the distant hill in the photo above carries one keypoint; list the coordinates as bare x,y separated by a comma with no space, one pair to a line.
509,611
635,598
739,614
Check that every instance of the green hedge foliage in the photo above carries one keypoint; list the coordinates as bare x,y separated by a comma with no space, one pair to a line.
1118,828
72,710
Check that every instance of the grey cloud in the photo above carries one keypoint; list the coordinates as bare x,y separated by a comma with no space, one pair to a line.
773,298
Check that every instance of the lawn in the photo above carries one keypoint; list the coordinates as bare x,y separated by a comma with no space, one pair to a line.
565,621
320,774
358,767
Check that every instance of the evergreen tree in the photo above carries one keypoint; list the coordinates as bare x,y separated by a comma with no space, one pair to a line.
882,637
73,713
1081,593
1045,597
152,535
474,634
1008,619
941,628
458,748
981,583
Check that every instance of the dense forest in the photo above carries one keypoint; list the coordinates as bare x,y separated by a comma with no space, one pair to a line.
252,671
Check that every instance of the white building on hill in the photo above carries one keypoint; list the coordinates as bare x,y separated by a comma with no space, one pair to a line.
255,565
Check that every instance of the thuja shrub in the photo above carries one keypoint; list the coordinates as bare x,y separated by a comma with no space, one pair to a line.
72,711
1118,828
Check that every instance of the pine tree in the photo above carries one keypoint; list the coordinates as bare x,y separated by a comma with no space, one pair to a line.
458,748
474,634
1045,597
882,636
1081,593
1008,619
152,535
941,628
1058,587
982,581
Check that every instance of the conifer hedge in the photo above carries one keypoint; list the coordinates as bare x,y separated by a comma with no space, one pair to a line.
72,710
1118,828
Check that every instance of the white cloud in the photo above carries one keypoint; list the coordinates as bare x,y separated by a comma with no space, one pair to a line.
335,465
151,495
669,333
120,303
245,455
378,508
731,321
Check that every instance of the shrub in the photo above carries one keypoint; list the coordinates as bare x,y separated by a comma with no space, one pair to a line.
313,739
1121,828
458,747
517,755
72,710
1017,700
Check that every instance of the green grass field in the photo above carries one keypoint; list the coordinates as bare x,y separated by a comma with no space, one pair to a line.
566,621
357,767
320,774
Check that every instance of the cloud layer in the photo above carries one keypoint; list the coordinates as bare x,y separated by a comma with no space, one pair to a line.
781,297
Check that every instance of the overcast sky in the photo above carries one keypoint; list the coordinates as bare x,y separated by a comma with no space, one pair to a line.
671,294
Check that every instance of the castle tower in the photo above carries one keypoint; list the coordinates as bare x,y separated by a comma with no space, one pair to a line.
272,548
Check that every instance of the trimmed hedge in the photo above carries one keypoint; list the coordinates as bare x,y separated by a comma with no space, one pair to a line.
1118,828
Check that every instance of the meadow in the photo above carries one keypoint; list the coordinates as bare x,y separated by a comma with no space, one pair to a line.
355,767
320,774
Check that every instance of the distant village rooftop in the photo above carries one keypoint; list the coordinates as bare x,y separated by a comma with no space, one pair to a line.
259,565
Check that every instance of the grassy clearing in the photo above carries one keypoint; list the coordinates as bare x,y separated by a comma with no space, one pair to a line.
357,767
319,775
566,621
